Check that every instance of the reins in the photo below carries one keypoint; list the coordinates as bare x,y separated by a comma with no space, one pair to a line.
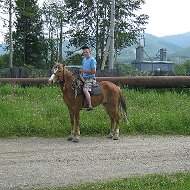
78,81
66,78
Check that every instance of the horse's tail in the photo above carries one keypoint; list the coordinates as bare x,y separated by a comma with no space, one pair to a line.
123,108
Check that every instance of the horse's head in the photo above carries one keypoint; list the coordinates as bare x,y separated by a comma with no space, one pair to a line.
57,73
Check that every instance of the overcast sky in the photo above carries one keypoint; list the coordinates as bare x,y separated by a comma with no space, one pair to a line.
167,17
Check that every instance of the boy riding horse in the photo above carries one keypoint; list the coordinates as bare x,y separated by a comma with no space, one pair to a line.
88,70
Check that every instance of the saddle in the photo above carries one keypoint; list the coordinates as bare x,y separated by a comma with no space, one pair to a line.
78,84
96,90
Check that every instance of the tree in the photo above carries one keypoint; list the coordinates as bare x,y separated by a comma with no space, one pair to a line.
4,11
7,6
4,61
54,19
50,29
90,22
28,38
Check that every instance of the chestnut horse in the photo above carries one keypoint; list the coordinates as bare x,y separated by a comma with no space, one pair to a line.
110,97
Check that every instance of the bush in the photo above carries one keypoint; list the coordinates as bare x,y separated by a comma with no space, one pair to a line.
182,69
4,61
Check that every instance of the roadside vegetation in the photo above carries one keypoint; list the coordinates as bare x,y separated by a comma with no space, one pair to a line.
41,112
179,181
182,69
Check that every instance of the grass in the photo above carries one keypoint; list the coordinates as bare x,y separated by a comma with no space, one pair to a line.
179,181
163,111
33,111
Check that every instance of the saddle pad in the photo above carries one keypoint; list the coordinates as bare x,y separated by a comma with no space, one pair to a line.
96,90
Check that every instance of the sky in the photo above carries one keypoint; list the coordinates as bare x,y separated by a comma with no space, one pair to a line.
167,17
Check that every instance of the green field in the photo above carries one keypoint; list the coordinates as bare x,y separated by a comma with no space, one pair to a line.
41,112
177,181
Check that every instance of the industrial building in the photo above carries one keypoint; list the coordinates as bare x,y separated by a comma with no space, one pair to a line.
162,65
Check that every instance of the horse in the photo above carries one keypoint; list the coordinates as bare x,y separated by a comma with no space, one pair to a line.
110,97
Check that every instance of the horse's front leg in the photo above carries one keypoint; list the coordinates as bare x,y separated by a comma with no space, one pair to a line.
71,112
77,128
114,117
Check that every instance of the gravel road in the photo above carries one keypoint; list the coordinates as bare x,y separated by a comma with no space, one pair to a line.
39,162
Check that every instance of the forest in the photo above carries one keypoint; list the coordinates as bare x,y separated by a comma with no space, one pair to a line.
35,34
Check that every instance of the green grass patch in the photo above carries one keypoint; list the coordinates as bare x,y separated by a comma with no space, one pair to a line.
33,111
179,181
162,111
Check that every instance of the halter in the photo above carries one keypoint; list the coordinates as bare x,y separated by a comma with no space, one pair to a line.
54,73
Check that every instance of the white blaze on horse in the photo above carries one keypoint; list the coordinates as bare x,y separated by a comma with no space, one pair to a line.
110,97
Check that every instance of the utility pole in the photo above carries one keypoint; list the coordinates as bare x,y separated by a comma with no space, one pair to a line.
110,41
10,35
112,27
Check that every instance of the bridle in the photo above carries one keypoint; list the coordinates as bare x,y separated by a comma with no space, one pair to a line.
61,79
55,70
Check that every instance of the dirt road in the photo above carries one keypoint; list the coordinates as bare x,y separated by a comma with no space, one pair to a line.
38,162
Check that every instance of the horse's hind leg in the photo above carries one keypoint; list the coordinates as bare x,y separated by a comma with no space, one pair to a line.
114,117
116,134
111,134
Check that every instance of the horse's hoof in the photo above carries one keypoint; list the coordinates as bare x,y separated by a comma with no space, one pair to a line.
76,139
70,138
116,137
110,136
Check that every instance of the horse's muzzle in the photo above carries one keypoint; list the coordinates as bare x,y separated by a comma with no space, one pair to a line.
50,82
51,79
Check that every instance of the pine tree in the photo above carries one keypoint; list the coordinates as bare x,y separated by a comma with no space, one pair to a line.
28,38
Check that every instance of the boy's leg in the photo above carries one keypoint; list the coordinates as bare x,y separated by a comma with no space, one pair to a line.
87,95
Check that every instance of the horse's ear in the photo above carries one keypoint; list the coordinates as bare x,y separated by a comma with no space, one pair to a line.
64,64
56,62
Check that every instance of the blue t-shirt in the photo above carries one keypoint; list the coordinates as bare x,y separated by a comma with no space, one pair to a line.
88,64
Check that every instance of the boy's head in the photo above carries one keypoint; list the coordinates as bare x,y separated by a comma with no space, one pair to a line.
86,51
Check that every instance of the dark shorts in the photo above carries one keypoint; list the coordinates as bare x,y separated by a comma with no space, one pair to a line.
89,82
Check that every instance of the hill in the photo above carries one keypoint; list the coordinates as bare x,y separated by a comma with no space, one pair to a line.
153,44
176,45
184,53
182,40
2,51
